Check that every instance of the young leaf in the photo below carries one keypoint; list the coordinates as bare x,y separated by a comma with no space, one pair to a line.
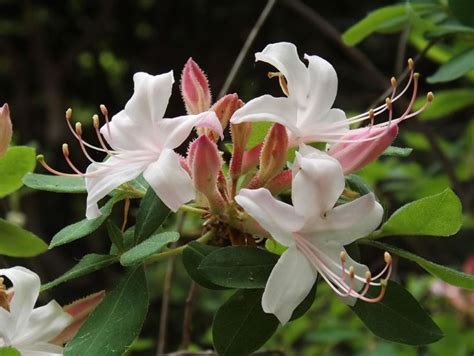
397,151
17,162
84,227
55,184
241,326
147,248
448,275
238,267
437,215
116,236
193,255
18,242
116,322
357,184
88,264
455,68
151,214
398,317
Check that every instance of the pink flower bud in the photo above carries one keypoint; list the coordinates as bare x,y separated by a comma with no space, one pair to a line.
205,162
240,135
250,158
5,129
355,155
195,88
273,155
79,310
224,109
280,183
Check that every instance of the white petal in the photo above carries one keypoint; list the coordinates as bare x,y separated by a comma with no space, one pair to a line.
268,108
173,132
45,323
289,283
348,222
278,218
171,183
26,285
150,97
41,349
330,126
284,57
318,182
113,172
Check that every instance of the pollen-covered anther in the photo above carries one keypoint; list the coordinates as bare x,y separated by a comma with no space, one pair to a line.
393,82
430,96
387,257
411,64
78,128
69,114
282,80
103,110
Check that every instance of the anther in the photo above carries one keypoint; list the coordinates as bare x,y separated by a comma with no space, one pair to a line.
271,75
103,110
430,96
95,121
65,149
411,64
69,114
78,127
388,102
416,76
343,256
393,82
387,258
368,276
351,272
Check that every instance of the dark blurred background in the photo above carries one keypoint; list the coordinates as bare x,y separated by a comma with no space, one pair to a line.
80,54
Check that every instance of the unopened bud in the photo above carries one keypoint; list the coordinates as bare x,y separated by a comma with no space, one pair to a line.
6,130
225,108
195,88
240,136
205,163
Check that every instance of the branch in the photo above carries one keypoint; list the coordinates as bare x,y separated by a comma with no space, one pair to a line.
188,316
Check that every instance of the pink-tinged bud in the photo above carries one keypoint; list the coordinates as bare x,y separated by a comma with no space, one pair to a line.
79,310
224,109
273,155
355,155
5,129
280,183
195,88
251,158
240,136
205,162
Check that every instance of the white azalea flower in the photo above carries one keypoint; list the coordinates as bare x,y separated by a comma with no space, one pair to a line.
25,328
311,90
315,232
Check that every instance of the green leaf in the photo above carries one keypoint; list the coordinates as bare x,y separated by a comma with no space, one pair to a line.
398,317
397,151
116,236
151,214
88,264
55,184
193,255
241,326
463,10
116,322
448,275
147,248
18,242
357,184
84,227
238,267
446,102
437,215
17,162
259,131
379,19
455,68
9,351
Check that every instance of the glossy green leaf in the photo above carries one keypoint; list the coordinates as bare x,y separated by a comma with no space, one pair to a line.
437,215
84,227
448,275
116,322
378,20
18,242
259,131
88,264
115,235
17,162
9,351
151,214
55,184
193,255
397,151
241,326
238,267
357,184
398,317
463,10
455,68
147,248
446,102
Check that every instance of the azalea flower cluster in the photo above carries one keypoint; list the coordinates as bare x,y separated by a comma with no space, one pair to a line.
239,199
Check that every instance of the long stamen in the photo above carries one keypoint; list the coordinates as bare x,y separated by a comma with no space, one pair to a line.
71,128
40,159
105,112
65,148
81,142
96,124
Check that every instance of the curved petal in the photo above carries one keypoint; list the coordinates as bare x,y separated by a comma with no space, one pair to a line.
41,349
26,285
173,132
45,323
278,218
318,182
284,57
289,283
150,97
330,126
268,108
348,222
322,89
108,175
171,183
